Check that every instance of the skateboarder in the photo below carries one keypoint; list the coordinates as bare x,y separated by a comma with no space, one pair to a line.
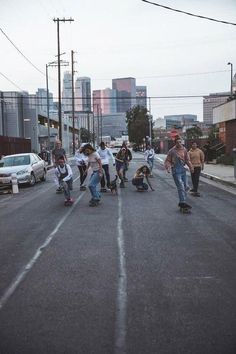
94,161
138,180
105,154
175,162
64,179
81,162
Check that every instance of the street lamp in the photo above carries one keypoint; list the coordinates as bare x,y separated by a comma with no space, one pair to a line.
231,79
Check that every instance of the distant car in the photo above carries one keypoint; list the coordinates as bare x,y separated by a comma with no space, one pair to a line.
28,167
115,149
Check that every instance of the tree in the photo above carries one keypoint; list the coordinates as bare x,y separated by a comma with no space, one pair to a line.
193,133
137,120
85,135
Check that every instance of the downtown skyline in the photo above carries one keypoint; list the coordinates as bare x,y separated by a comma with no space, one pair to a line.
172,54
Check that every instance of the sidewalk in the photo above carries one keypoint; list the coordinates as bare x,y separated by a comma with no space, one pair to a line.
219,173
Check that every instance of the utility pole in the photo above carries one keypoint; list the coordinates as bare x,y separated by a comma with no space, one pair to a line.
231,78
54,63
101,121
58,20
73,101
150,122
98,124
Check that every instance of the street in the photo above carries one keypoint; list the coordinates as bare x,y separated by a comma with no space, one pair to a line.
132,275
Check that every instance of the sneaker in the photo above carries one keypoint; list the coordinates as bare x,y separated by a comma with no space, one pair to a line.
196,194
93,202
103,190
82,188
59,189
191,190
126,179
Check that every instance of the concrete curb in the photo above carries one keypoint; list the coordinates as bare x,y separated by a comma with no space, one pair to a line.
217,179
208,176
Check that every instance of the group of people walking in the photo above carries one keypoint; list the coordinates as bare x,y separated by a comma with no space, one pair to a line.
98,160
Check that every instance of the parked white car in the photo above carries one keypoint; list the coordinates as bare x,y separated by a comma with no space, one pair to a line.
28,167
115,149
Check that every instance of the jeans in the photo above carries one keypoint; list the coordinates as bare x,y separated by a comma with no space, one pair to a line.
150,163
195,178
93,182
106,170
83,174
67,187
180,178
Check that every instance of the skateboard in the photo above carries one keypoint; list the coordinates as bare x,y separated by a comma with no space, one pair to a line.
68,202
94,203
59,191
185,208
141,190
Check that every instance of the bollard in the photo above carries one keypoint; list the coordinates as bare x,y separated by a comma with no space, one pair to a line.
14,183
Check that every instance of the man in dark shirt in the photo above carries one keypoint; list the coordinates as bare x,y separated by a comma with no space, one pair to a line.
57,152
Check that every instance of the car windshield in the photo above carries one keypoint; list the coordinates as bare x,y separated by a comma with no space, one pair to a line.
16,160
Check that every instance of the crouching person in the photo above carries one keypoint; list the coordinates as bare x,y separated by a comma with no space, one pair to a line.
138,180
64,179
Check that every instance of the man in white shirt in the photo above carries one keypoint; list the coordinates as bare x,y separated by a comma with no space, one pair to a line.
149,157
105,154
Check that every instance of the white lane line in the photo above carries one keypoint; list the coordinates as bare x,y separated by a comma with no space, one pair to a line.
120,327
20,277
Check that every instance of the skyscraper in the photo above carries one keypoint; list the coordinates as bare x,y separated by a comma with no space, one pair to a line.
67,92
211,101
141,96
83,94
126,93
105,100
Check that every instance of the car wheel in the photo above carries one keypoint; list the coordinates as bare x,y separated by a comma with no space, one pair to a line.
32,180
43,178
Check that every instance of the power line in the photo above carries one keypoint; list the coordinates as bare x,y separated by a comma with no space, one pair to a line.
30,62
172,75
11,81
190,14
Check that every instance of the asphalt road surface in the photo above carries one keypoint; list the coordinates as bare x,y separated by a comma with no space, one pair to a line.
132,275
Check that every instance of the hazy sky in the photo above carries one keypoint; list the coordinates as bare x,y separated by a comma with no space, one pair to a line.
171,53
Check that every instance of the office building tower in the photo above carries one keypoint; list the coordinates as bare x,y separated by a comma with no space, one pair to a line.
179,120
67,91
83,94
41,96
141,96
126,93
105,100
211,101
